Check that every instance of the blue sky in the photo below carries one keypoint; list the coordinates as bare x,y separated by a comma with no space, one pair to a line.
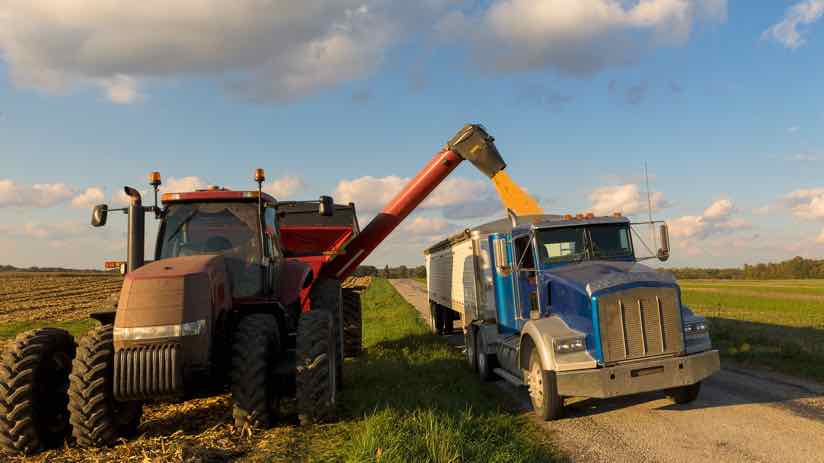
722,100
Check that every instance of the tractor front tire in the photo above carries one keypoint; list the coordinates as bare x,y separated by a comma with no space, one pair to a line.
254,352
352,323
97,419
315,376
326,295
34,383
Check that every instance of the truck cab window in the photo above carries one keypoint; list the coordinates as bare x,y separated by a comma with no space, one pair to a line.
559,245
523,253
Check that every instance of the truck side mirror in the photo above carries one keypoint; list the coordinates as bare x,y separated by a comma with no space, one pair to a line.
326,206
664,252
501,258
99,215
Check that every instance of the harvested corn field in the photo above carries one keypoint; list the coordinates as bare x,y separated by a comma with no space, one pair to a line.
31,296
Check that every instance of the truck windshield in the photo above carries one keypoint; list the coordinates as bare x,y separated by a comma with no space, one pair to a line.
228,229
572,244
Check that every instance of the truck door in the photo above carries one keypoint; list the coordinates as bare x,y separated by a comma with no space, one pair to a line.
526,279
505,306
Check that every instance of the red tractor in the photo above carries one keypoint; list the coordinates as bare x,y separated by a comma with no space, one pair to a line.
244,293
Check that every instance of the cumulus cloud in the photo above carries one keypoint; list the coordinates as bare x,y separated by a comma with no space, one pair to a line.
59,230
820,238
88,198
786,32
37,195
426,226
718,218
273,50
180,185
284,187
577,37
806,203
626,199
455,194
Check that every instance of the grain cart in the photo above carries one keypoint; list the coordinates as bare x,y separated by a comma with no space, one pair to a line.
562,306
243,294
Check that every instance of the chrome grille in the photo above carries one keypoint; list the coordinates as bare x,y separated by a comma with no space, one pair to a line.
640,322
148,371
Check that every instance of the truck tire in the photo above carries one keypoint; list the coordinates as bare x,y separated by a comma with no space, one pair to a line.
486,362
471,347
315,373
326,295
255,350
352,323
34,383
434,318
97,419
543,390
448,320
685,394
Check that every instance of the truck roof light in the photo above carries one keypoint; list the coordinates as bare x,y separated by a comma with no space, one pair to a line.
579,216
567,216
589,215
617,214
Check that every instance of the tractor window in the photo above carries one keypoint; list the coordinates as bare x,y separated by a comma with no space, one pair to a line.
229,229
271,233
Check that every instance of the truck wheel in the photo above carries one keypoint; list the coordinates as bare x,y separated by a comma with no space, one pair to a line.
315,374
471,348
448,321
685,394
352,323
485,361
543,390
435,318
327,296
34,383
255,348
97,419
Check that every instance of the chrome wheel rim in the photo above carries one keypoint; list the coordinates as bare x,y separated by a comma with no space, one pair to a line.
536,385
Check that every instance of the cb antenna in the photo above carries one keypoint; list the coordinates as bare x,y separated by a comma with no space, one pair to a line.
649,207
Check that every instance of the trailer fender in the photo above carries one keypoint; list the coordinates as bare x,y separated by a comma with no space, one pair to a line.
294,277
538,334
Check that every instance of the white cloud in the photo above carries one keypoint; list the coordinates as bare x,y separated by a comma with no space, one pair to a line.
182,185
820,238
577,37
37,195
59,230
284,187
718,218
626,199
89,198
786,31
371,194
806,203
426,226
266,50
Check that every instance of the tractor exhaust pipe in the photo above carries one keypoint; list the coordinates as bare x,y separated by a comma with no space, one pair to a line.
137,226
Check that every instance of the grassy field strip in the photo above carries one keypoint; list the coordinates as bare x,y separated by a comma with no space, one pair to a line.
760,287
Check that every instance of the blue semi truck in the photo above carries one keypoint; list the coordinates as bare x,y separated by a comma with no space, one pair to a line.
563,306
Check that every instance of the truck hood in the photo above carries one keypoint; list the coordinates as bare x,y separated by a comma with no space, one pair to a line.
593,277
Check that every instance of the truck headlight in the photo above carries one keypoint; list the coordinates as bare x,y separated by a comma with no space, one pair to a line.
696,329
157,332
569,345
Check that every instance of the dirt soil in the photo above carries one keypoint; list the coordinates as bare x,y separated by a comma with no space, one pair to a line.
741,415
55,296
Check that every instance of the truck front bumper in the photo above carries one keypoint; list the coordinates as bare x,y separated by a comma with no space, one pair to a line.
643,376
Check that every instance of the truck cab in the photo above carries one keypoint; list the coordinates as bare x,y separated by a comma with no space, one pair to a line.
563,306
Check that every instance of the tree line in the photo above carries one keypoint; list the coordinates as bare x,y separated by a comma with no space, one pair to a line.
792,269
401,271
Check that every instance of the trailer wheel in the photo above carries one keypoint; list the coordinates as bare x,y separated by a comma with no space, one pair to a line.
97,419
326,295
471,347
685,394
352,323
34,383
254,351
543,390
315,374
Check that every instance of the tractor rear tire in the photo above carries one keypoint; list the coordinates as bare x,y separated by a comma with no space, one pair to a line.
315,376
97,419
255,350
34,383
352,323
327,296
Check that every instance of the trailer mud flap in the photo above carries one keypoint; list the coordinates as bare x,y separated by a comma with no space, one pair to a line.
148,372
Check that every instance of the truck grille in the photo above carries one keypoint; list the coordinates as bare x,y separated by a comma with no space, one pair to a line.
640,322
148,371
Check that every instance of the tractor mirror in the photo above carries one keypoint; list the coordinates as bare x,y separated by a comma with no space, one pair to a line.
664,252
99,215
326,206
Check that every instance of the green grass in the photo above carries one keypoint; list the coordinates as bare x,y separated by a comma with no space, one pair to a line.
773,324
411,398
75,327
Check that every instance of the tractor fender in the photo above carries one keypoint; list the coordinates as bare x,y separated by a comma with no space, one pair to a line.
539,334
294,277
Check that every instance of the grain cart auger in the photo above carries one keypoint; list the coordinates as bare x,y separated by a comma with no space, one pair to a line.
231,300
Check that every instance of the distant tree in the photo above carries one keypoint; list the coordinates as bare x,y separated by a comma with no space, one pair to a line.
386,273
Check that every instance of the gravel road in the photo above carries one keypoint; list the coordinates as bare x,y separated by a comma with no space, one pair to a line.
741,416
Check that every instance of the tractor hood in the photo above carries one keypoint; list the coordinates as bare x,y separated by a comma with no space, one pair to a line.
174,291
593,277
